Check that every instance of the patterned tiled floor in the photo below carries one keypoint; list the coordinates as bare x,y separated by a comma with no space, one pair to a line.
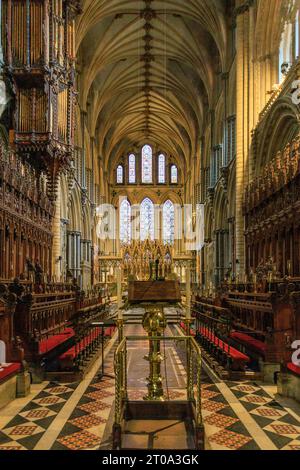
237,416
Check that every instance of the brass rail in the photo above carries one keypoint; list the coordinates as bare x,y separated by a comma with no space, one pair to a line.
194,364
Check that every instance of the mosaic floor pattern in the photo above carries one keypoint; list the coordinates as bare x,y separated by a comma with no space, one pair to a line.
237,415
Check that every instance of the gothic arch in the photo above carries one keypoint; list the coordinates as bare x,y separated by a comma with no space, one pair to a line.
75,211
279,127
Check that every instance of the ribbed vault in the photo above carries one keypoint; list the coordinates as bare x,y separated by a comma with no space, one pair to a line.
148,72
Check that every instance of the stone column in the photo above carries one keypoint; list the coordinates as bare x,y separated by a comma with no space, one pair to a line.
83,175
243,131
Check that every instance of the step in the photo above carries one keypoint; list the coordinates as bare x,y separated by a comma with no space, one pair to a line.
157,434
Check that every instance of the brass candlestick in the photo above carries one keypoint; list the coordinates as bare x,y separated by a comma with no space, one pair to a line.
154,323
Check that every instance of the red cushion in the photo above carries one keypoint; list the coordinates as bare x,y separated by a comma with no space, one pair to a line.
10,370
71,353
292,367
50,343
183,326
234,353
247,340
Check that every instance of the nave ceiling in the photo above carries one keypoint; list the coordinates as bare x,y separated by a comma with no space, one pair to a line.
147,72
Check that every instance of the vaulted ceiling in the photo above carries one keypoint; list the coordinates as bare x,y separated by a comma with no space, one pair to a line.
147,72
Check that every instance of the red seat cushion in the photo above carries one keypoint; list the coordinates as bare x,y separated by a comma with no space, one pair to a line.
11,369
234,353
71,353
247,340
183,326
52,342
292,367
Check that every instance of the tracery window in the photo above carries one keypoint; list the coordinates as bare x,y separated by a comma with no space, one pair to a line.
161,169
120,174
147,220
168,222
174,174
147,164
132,172
125,221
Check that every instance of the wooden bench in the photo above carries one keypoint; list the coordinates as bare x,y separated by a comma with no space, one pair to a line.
48,344
215,345
293,368
253,344
192,331
67,360
8,370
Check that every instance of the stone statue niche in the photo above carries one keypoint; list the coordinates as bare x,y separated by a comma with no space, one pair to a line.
147,260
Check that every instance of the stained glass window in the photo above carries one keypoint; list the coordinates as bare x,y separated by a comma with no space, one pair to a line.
147,164
125,222
174,174
168,222
131,161
147,220
120,174
161,169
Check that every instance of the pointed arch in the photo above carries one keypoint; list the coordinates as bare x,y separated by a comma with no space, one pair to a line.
147,164
174,174
168,222
132,169
147,220
125,222
120,174
161,169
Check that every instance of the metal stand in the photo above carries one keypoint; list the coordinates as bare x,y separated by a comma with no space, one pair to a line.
102,374
154,323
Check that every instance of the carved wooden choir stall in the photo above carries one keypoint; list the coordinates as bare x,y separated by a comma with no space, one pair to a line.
44,326
255,318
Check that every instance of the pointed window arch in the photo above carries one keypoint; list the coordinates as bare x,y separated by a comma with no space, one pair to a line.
168,222
120,174
125,222
147,164
132,169
161,169
174,174
147,220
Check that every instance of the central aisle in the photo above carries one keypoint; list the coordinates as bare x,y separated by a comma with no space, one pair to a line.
237,416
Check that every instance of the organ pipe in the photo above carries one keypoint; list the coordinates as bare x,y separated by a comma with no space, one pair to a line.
30,35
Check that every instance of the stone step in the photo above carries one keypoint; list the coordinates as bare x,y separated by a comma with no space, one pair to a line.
156,434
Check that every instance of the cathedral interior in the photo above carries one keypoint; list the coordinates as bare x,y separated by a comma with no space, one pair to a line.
149,225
